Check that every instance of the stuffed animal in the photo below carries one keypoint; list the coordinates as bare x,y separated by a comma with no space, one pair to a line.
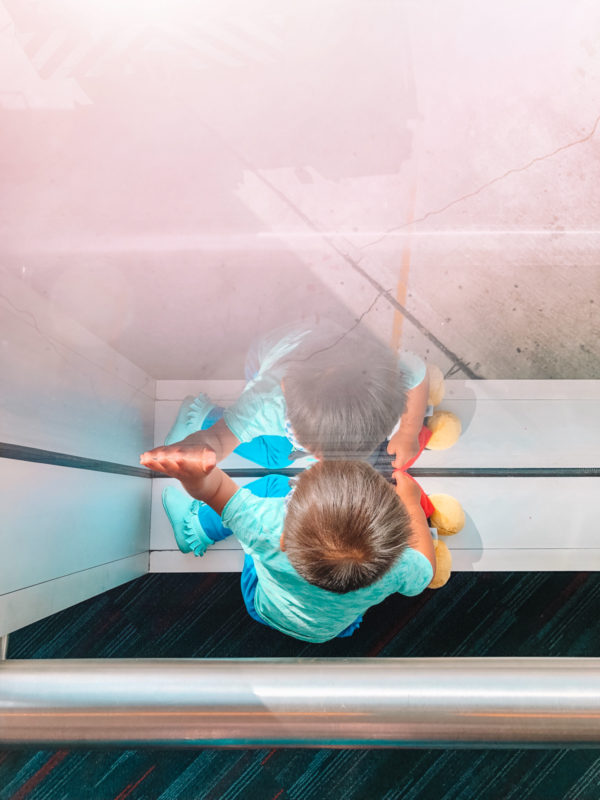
444,512
444,425
449,518
443,565
445,428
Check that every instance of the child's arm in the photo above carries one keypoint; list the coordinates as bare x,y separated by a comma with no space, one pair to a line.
194,467
218,439
410,493
404,444
255,413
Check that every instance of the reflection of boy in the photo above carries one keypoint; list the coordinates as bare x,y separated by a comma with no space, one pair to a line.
317,558
331,394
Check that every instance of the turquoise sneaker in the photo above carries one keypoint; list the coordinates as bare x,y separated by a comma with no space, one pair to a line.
182,512
192,413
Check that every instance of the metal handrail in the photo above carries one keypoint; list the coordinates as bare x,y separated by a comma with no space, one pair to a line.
302,702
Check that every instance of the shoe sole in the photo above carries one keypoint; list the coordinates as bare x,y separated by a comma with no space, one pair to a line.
187,549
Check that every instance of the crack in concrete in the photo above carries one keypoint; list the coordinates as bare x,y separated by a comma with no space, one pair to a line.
357,322
486,185
455,369
353,263
450,354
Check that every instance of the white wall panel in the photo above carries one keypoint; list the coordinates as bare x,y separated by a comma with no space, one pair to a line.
549,519
58,520
63,388
522,424
230,560
36,602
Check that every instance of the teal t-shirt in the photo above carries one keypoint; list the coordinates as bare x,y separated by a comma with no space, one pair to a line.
288,602
261,408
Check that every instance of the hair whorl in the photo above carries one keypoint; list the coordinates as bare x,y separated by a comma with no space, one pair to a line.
345,526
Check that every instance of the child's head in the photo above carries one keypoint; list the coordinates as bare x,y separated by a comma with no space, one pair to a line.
343,397
345,526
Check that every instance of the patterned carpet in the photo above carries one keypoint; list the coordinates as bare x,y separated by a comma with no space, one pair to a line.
495,614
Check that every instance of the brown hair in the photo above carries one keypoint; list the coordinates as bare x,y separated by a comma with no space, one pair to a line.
345,526
343,397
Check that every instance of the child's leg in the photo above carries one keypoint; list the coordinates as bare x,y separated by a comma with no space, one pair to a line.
196,526
199,413
268,451
211,524
195,414
269,486
248,583
350,629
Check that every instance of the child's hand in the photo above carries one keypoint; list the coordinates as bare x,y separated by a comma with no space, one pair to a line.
189,464
180,460
194,467
407,489
404,449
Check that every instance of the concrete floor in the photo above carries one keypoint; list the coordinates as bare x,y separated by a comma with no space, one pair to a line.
181,182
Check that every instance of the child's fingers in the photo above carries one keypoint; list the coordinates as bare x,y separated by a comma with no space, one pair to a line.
180,461
402,476
152,462
146,459
403,479
407,487
154,452
161,459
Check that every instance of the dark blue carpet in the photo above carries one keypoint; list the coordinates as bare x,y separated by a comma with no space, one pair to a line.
487,614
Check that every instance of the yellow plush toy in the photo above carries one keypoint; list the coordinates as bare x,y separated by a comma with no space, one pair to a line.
443,565
444,425
445,428
449,518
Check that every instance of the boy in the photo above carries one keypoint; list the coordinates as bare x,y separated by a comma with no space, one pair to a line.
316,560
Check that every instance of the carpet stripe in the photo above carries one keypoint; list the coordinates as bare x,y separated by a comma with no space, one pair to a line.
39,776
